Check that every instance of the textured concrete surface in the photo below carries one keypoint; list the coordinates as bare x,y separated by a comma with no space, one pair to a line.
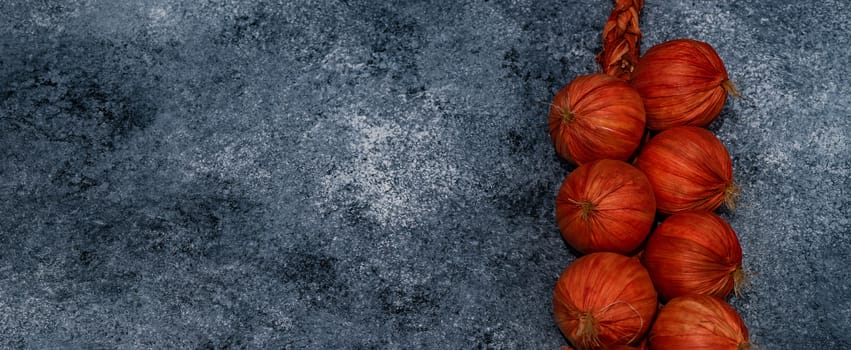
301,174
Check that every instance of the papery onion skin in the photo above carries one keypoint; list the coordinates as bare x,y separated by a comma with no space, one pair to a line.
604,299
682,82
698,322
644,345
689,170
595,117
605,205
693,253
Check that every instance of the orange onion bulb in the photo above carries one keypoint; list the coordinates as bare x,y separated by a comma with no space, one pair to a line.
605,205
694,253
682,82
642,346
689,169
595,117
696,322
604,299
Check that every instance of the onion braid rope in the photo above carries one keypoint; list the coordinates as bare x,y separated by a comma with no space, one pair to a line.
621,39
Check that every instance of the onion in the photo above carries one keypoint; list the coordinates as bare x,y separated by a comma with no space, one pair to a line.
604,299
605,205
689,169
682,82
698,322
642,346
596,117
694,253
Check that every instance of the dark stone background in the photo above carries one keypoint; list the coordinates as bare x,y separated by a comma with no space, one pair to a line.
354,174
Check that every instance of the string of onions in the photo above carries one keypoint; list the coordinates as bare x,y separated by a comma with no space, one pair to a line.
652,111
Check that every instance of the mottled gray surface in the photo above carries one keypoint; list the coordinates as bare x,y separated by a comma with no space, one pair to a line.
367,174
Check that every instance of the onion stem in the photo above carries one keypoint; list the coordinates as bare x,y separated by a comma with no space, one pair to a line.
730,88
